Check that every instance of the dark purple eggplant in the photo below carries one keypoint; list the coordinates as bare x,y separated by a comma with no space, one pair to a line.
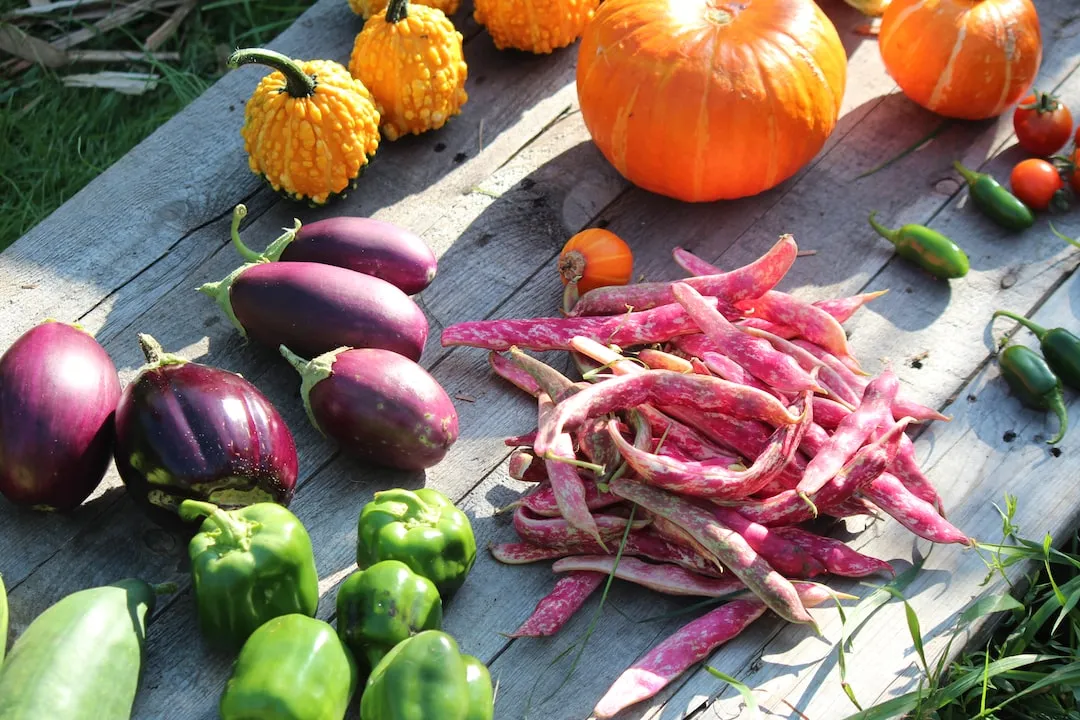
378,406
318,308
187,430
58,395
360,244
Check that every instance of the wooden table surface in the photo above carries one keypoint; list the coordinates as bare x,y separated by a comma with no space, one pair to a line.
496,193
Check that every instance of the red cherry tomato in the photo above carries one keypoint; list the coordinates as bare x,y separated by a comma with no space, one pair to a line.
1073,170
1036,182
1042,123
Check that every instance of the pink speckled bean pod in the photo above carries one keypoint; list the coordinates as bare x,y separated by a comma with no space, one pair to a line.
640,543
677,536
852,507
689,645
829,413
788,558
557,607
748,281
694,265
684,438
702,479
756,356
906,469
641,328
550,380
544,503
593,441
843,308
524,467
721,542
850,435
516,441
901,406
781,331
523,553
513,374
810,321
726,368
700,368
918,516
557,532
566,484
667,579
836,386
837,557
660,360
660,388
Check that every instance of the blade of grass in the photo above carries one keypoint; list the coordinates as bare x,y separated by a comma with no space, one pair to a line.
752,711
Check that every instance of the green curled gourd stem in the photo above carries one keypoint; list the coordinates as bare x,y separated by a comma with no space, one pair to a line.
273,251
298,83
1038,330
396,11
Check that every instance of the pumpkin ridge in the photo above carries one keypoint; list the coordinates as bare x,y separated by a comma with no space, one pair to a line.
945,79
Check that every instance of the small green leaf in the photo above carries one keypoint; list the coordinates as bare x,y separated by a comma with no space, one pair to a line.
752,711
988,605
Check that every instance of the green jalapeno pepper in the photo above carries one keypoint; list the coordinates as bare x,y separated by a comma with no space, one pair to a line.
995,201
929,249
1034,383
1060,347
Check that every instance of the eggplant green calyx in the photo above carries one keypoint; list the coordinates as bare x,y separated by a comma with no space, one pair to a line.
233,532
312,372
273,250
220,290
156,356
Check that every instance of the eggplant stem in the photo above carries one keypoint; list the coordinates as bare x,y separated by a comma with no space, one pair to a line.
239,213
155,355
1038,330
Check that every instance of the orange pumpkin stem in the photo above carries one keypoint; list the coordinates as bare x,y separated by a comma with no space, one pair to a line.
297,82
572,266
397,11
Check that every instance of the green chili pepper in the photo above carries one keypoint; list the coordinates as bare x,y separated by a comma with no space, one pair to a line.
995,201
1060,347
1034,383
929,249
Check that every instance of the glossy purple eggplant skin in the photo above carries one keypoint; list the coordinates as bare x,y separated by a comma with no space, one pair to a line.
385,408
193,431
58,395
368,246
314,308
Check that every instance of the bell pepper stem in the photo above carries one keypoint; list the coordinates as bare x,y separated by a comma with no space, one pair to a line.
891,235
1038,330
970,176
297,82
232,531
1057,404
410,501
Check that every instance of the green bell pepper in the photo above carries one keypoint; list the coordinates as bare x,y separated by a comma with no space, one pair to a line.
427,677
379,607
420,528
292,668
248,566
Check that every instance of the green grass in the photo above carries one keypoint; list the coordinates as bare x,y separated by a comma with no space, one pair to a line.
54,140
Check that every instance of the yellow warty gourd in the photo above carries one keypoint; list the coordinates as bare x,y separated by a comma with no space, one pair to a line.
309,127
410,57
367,8
537,26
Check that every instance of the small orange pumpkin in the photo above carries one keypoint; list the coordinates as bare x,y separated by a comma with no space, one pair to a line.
595,258
707,99
967,59
536,26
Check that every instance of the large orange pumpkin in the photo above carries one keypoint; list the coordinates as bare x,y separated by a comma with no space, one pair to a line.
708,99
968,59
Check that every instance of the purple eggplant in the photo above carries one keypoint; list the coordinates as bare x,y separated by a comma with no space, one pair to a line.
378,406
360,244
187,430
317,308
58,395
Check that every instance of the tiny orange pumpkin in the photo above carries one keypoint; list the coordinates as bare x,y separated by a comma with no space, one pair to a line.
411,59
966,59
536,26
595,258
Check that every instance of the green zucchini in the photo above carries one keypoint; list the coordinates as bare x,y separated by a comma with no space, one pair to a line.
81,658
3,619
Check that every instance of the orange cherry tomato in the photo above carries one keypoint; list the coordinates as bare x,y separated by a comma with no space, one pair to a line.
1036,182
1042,123
596,257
